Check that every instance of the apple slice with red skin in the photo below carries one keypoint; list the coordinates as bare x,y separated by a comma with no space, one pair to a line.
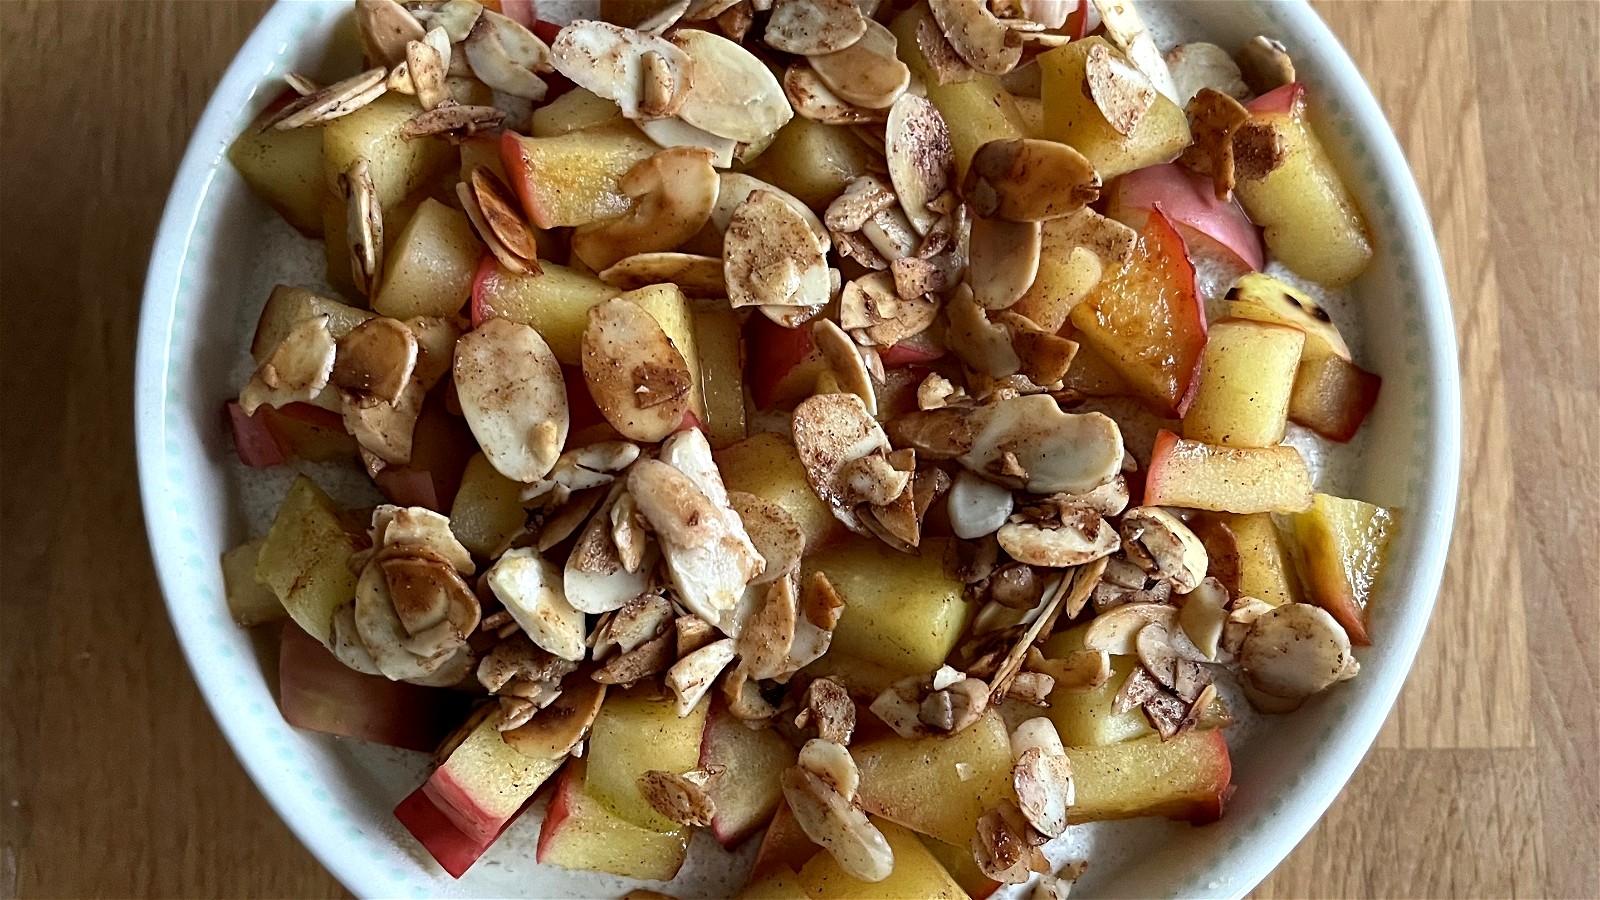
918,349
308,431
784,846
781,364
1147,321
1279,100
748,791
1078,21
317,692
441,446
255,443
1206,223
579,832
1339,548
453,849
1194,475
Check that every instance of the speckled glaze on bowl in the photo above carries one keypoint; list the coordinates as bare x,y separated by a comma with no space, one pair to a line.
205,287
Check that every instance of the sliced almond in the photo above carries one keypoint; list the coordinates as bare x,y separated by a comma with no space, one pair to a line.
891,234
867,73
677,797
733,94
532,591
813,99
943,61
977,35
767,634
1068,544
1295,650
511,261
635,374
1043,782
555,730
636,622
363,226
506,56
771,257
983,345
297,369
744,698
1000,844
1265,64
650,658
650,18
919,155
1118,90
709,557
830,431
345,642
1214,119
513,397
385,28
376,359
672,132
1201,65
737,187
332,102
458,121
977,507
775,533
811,27
1158,542
596,577
697,276
1116,631
1125,28
427,62
690,677
501,213
1058,451
1203,615
456,17
828,706
608,60
1028,180
830,820
845,361
1079,671
1003,261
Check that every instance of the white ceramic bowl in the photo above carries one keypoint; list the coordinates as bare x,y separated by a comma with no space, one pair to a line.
219,250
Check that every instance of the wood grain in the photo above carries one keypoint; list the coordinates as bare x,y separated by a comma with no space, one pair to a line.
1485,782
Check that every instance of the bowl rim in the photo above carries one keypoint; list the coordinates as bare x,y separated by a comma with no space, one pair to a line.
1330,772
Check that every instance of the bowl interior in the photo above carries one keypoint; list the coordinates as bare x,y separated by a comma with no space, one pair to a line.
219,251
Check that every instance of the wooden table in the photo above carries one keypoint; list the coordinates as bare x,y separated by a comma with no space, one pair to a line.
117,783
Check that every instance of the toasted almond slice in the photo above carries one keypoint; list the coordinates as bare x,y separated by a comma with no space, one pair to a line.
674,132
1116,631
919,155
862,198
868,301
977,507
334,101
501,214
733,94
1073,543
607,59
692,633
737,187
1295,650
844,360
301,84
1043,782
945,63
456,17
555,730
363,226
867,73
1079,671
771,257
677,798
296,370
766,635
345,642
1201,65
416,527
1158,542
480,223
635,623
977,35
635,374
674,191
830,431
1027,180
385,28
775,533
1126,29
1118,90
1004,260
1265,64
1000,844
1203,616
690,677
811,27
833,822
426,65
513,397
595,574
983,345
531,589
891,234
698,276
461,121
1040,435
709,557
650,658
508,56
813,99
376,359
